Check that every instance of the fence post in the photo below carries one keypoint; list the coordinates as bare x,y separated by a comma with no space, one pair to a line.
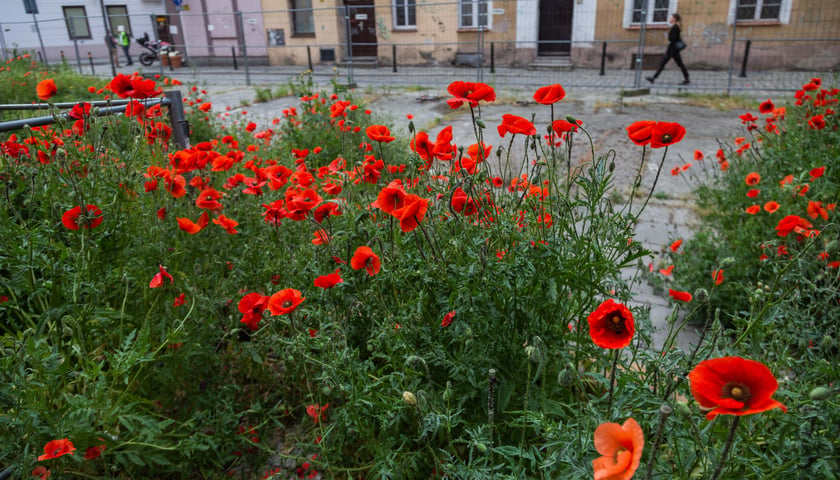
90,60
76,48
309,57
492,57
3,43
744,62
479,39
732,54
637,80
40,40
244,48
394,56
180,127
233,55
603,58
349,45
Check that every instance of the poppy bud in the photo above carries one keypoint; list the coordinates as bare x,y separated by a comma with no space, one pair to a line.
480,123
411,126
326,390
447,393
701,295
409,399
682,409
820,394
571,119
480,446
566,377
827,342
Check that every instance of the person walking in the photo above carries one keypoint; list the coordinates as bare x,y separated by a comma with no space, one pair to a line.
111,43
125,43
675,46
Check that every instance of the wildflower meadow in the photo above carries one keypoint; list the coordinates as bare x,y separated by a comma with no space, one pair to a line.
317,297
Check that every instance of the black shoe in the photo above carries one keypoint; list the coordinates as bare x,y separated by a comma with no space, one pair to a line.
650,79
685,82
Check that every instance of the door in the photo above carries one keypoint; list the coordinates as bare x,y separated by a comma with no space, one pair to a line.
555,30
362,28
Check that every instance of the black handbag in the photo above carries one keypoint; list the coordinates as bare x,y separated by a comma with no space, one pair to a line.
680,45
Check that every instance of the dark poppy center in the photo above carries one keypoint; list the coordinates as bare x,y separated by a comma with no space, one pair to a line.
737,391
369,262
666,137
287,303
616,324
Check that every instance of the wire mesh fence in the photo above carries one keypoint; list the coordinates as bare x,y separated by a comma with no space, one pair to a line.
732,45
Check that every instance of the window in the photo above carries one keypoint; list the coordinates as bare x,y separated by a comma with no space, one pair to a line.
474,14
303,22
655,11
405,14
758,9
118,16
77,22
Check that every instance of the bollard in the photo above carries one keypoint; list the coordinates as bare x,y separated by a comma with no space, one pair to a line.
744,62
180,126
394,56
233,54
90,60
603,57
63,60
492,57
309,57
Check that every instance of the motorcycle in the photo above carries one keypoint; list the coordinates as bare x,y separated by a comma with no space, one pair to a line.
154,49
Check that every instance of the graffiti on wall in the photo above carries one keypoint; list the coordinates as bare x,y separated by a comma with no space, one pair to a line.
382,29
699,34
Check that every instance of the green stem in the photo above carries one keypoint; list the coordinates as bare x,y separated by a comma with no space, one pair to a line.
725,453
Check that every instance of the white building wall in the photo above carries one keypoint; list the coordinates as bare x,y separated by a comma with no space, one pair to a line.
19,32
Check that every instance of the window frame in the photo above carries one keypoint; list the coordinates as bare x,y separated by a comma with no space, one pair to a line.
112,16
295,10
783,17
475,15
409,8
71,33
630,8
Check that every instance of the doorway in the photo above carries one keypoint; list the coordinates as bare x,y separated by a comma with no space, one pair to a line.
362,28
555,27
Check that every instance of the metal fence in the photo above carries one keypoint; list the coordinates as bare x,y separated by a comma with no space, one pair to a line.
525,42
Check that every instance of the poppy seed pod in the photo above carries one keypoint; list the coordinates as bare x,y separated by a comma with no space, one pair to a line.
820,394
701,295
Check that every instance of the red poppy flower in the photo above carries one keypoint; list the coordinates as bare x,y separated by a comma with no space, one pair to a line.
391,197
73,219
752,179
252,307
771,206
180,300
815,209
611,325
447,319
667,271
157,280
320,237
46,89
816,173
516,124
680,295
564,126
285,301
793,223
752,209
717,276
365,258
192,228
753,193
550,94
330,280
228,224
79,111
676,245
317,412
640,132
379,133
698,155
412,212
621,449
666,133
463,203
41,472
766,106
469,92
57,448
733,386
94,452
817,122
208,199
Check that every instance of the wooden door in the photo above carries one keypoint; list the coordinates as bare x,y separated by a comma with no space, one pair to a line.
362,28
555,29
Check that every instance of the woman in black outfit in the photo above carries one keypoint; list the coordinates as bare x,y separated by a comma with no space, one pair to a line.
673,51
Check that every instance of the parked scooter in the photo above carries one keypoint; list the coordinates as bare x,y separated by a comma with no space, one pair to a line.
154,49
